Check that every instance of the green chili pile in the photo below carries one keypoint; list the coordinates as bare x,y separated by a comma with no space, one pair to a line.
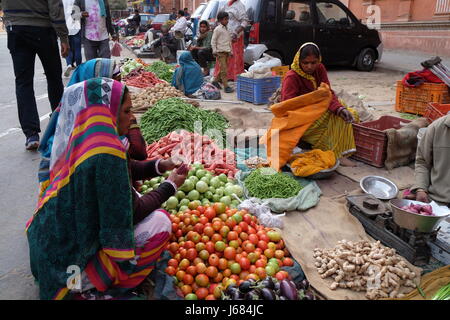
173,114
162,70
265,183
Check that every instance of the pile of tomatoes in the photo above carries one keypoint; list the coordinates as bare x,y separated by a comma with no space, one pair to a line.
214,246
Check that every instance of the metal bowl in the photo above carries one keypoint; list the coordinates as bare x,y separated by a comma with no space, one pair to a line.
413,221
379,187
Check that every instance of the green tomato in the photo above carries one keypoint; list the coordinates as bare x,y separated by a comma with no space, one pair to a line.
205,202
164,205
270,270
273,260
229,190
275,266
183,208
201,186
187,186
172,202
274,235
193,195
184,202
156,186
194,179
173,211
147,183
191,173
214,182
194,204
166,174
238,191
233,206
235,268
212,190
154,181
237,217
200,173
144,188
226,200
235,202
219,192
208,195
197,166
180,195
216,198
223,178
205,179
191,296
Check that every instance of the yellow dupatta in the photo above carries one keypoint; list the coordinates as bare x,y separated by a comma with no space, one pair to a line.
298,69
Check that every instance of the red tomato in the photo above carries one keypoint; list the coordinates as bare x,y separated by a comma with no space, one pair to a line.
230,223
192,270
224,231
260,263
230,253
210,213
173,247
195,213
253,276
199,228
218,278
191,254
251,230
245,263
249,247
210,297
223,264
288,262
201,293
247,218
202,280
253,238
209,246
243,275
204,254
262,245
244,226
269,253
179,233
216,237
226,273
205,239
217,225
171,271
280,276
188,279
232,235
174,227
243,236
203,220
264,237
186,289
175,219
201,209
208,231
189,244
180,274
237,229
279,254
211,271
201,268
213,260
252,269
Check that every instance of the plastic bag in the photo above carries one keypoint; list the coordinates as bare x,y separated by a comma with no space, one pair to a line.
306,198
262,212
266,62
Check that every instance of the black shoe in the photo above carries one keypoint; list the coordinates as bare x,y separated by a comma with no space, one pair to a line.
229,90
32,142
217,85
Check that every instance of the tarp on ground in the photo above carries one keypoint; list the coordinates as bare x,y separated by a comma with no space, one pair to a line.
322,227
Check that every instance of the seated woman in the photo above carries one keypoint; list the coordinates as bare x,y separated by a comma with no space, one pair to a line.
166,46
333,131
89,218
188,77
201,49
432,164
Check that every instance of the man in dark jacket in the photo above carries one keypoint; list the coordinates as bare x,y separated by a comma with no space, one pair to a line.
96,26
33,27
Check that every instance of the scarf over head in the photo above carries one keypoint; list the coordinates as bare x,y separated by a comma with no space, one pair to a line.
87,204
188,77
296,66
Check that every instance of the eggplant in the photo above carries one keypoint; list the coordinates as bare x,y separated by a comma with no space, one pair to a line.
288,289
236,295
231,288
252,295
283,298
268,283
309,296
304,284
268,294
277,286
245,287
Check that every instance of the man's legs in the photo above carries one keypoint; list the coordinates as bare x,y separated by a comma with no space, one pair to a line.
23,53
77,48
223,62
204,56
48,52
104,51
90,49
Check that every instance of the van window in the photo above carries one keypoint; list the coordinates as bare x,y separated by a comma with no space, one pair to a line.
332,15
253,7
297,12
210,11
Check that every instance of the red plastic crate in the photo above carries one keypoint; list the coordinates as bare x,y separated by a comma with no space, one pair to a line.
436,110
371,140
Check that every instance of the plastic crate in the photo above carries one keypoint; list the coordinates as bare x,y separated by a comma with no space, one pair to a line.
416,100
280,71
371,140
436,110
257,91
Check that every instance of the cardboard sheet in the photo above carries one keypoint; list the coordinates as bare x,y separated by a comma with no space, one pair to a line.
403,177
322,227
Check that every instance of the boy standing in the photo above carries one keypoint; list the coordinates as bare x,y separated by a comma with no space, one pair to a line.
221,47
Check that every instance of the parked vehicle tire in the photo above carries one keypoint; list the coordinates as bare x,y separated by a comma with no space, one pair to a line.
366,60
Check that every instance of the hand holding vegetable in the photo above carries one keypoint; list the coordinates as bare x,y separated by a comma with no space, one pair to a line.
178,178
166,165
422,196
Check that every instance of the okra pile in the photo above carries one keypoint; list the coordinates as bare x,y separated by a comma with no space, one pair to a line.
266,183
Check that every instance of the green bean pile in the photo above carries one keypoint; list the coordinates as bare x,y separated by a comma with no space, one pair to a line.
172,114
266,183
162,70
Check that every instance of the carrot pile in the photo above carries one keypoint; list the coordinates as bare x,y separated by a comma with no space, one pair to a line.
142,79
193,147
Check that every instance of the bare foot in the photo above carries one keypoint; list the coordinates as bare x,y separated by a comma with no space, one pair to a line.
345,162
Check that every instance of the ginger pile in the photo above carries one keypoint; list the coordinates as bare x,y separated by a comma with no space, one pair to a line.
365,266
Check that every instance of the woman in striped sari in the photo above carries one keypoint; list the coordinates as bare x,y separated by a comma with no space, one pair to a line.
91,230
333,130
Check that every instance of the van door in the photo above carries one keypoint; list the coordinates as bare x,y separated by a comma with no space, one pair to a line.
295,26
338,35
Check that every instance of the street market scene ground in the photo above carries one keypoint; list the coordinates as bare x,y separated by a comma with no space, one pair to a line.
241,225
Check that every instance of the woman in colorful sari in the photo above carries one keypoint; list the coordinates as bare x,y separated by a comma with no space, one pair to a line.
238,20
188,77
333,130
89,220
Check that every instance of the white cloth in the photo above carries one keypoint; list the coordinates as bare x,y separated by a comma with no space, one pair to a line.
237,16
95,24
73,22
181,25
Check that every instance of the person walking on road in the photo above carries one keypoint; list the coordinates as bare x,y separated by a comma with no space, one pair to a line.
96,26
33,27
74,59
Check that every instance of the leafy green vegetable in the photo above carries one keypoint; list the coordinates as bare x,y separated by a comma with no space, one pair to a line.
173,114
408,116
443,293
162,70
265,183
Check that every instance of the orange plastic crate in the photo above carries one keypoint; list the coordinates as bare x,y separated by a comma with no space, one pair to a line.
416,100
280,71
436,110
371,140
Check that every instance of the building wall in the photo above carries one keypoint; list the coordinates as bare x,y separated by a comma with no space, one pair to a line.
418,25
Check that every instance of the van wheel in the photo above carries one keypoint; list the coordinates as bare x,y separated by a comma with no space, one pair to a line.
275,55
366,60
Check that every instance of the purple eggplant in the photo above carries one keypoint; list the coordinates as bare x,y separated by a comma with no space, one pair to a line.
268,294
267,283
288,289
231,288
236,295
304,284
245,286
252,295
309,296
277,286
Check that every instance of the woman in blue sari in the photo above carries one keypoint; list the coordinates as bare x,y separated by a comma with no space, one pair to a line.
188,77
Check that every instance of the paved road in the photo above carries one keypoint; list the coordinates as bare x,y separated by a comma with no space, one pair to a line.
18,182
